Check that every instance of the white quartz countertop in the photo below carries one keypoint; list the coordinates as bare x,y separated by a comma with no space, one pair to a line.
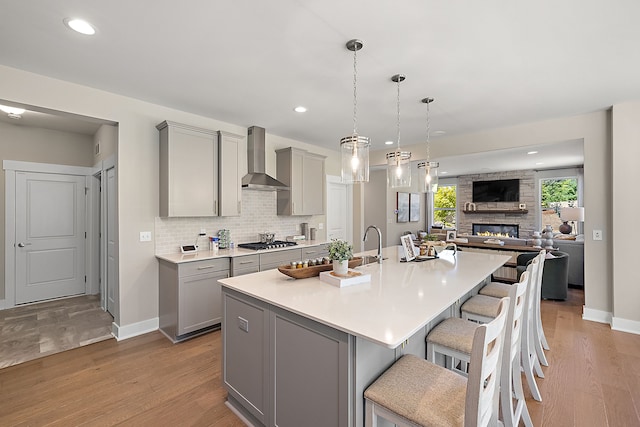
400,299
178,258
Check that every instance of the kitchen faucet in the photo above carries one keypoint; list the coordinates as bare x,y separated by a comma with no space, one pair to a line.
379,256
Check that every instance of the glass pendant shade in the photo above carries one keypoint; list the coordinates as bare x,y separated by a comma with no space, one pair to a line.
354,151
428,176
399,169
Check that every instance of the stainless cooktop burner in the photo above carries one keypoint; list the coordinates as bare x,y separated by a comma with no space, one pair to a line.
257,246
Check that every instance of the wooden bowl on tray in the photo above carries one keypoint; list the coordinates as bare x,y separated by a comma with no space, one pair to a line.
314,270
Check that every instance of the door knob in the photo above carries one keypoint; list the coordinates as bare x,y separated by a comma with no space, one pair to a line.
22,245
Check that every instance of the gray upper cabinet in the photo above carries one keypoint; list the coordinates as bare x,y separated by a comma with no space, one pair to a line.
230,189
199,171
303,172
188,170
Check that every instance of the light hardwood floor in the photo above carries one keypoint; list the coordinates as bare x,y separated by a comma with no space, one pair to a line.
593,380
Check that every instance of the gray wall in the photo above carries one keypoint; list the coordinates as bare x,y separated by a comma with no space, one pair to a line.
30,144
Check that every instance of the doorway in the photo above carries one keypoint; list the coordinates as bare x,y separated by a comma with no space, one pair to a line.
50,235
47,254
339,209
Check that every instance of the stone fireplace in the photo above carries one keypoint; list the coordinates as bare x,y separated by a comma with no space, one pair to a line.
496,230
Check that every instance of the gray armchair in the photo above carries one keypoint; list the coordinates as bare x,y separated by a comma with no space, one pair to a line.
555,276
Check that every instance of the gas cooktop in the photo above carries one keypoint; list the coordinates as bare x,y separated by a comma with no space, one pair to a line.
257,246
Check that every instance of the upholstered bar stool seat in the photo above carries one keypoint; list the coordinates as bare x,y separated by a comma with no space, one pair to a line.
421,393
496,290
480,307
454,333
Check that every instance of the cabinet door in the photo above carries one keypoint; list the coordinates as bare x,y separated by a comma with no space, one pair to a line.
230,188
246,353
297,178
313,185
188,171
310,375
199,301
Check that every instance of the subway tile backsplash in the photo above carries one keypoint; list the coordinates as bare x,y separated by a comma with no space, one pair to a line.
258,215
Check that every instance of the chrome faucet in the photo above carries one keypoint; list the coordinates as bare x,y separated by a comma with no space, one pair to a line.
379,256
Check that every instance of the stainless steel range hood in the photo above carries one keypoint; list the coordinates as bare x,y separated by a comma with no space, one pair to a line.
257,179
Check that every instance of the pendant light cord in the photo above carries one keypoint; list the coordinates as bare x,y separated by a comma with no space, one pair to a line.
355,91
398,121
428,132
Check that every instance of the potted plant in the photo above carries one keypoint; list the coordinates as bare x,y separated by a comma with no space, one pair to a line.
340,252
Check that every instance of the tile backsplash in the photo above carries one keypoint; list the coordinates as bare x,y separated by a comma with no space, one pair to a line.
258,215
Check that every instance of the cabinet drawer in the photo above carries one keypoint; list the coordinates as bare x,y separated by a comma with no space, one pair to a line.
245,264
204,266
315,252
274,259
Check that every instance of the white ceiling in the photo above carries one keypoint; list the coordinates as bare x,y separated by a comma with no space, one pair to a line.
487,64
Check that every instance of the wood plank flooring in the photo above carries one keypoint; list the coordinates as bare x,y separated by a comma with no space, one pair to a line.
593,380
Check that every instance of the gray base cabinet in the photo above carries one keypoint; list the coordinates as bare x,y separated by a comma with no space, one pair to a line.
190,297
283,369
245,264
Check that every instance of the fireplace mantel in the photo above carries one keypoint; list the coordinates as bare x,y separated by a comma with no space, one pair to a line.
497,211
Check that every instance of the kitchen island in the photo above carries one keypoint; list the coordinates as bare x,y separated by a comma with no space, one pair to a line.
302,352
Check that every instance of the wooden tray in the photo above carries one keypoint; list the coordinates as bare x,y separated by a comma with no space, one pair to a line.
315,270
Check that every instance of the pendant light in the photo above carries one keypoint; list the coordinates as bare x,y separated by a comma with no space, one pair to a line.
398,162
428,169
354,148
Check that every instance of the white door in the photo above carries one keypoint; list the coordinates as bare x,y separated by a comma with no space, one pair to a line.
50,236
112,283
339,209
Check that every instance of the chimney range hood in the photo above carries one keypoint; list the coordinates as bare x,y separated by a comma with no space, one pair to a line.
257,179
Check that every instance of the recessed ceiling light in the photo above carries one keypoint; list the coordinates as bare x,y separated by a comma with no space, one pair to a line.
388,143
532,152
300,109
539,163
80,25
439,132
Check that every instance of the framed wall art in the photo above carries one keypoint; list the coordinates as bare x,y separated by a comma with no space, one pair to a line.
414,207
402,207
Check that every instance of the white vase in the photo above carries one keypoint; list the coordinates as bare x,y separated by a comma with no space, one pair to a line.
341,268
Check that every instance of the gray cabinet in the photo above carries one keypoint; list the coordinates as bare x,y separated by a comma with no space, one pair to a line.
188,171
246,371
199,171
245,264
281,368
275,259
189,297
303,173
312,252
230,182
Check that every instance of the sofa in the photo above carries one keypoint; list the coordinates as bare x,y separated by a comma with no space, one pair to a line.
575,249
555,275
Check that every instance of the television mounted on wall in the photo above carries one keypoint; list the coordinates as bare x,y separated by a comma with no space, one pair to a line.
501,190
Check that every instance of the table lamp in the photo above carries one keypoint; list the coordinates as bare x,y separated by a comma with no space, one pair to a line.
570,214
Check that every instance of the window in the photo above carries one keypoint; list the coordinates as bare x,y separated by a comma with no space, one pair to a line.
444,206
555,194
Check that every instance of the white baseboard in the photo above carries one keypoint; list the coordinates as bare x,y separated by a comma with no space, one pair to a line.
596,315
625,325
135,329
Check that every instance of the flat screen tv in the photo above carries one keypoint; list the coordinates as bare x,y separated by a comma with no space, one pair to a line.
503,190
